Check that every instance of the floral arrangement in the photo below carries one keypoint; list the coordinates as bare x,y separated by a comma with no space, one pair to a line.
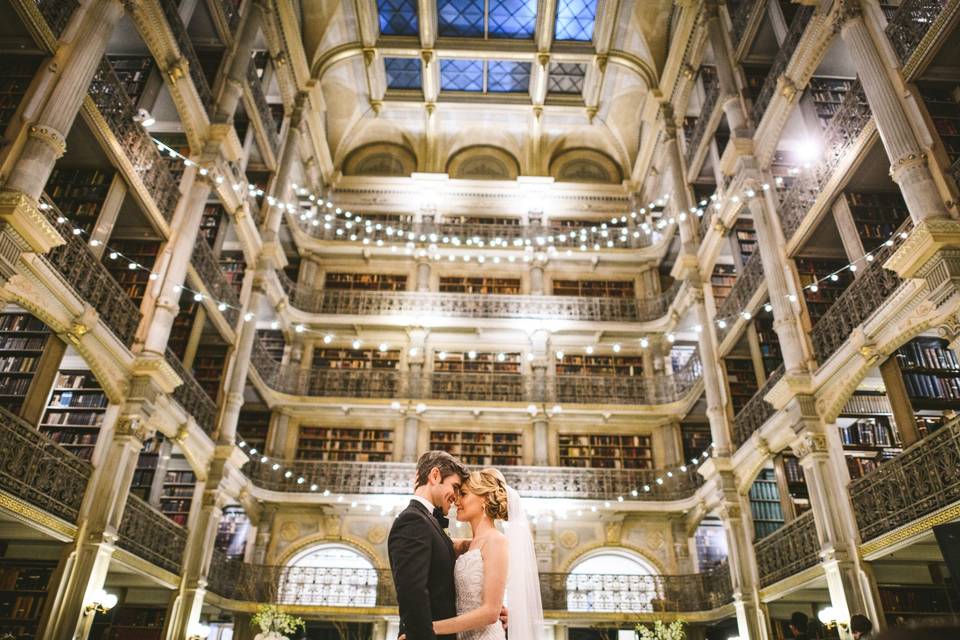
274,623
660,631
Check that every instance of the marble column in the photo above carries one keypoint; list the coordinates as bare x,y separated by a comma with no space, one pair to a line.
411,434
729,95
423,274
240,365
541,440
282,192
751,623
712,384
237,74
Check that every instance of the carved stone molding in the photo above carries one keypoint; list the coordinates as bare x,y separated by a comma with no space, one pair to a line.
26,226
50,137
808,444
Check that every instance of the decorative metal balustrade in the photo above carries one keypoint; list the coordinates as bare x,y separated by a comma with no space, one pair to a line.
490,387
213,279
911,22
746,285
704,223
469,305
788,550
757,411
922,480
171,11
844,129
741,18
263,107
955,171
111,99
232,13
35,469
192,397
57,13
476,235
393,478
662,389
91,281
780,62
711,94
150,535
856,304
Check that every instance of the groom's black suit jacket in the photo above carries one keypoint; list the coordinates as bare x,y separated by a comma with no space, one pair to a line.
421,559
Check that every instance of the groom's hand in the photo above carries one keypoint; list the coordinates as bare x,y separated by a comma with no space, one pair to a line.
503,617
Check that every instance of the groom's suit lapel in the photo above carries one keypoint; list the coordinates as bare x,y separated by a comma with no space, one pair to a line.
417,505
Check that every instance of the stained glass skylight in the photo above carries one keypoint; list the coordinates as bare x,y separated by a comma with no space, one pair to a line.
566,77
512,18
461,75
403,73
460,18
508,76
398,17
575,20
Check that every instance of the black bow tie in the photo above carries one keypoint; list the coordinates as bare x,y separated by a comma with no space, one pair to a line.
442,520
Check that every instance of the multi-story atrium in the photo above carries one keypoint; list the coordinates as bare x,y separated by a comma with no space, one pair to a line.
686,271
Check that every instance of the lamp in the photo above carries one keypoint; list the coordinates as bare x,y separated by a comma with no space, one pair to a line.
144,118
100,602
198,631
828,617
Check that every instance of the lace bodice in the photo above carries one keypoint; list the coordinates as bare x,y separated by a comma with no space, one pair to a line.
468,576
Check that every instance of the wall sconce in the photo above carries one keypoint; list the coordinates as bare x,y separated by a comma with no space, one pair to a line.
198,631
100,602
828,617
144,118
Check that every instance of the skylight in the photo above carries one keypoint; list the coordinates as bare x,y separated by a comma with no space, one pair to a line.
490,19
403,73
461,75
575,20
398,17
485,76
566,77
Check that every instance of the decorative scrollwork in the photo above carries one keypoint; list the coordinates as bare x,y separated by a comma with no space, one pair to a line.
757,411
908,26
797,27
171,12
788,550
57,13
263,107
148,534
711,95
747,283
217,285
193,397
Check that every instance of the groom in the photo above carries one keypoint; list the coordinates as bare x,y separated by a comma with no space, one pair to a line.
421,554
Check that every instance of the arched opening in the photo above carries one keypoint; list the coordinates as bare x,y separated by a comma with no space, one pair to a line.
613,580
329,575
383,159
483,162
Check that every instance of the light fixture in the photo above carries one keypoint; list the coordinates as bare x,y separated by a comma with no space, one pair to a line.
198,631
144,118
472,355
356,343
616,347
412,352
828,617
532,409
382,347
100,602
327,339
442,355
421,407
589,350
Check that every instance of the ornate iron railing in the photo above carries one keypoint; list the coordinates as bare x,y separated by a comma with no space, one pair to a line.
118,110
741,18
216,283
780,62
662,389
91,281
711,94
856,304
704,223
393,478
468,305
263,107
955,171
148,534
192,397
757,411
910,24
842,133
491,387
788,550
37,470
746,285
922,480
57,13
232,13
172,13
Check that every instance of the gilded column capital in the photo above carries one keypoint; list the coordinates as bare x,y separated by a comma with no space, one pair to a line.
50,137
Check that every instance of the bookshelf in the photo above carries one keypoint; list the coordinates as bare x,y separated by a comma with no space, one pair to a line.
479,285
208,367
480,448
943,105
827,95
131,622
769,343
868,441
133,281
365,281
810,270
75,412
592,365
480,363
23,339
179,486
722,279
711,544
273,341
183,324
903,604
606,451
765,504
877,216
594,288
133,73
149,468
745,238
79,194
355,359
345,445
211,225
23,592
755,76
232,532
513,222
796,484
695,438
179,143
253,425
233,266
741,380
18,73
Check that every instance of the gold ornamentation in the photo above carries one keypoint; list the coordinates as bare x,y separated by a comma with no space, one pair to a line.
569,539
290,531
377,534
32,514
908,531
613,532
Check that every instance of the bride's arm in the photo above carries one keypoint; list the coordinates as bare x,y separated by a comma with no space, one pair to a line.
494,554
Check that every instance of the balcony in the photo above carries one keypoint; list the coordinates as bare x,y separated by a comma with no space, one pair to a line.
192,397
756,412
171,11
393,478
40,472
748,282
262,107
148,534
911,23
210,273
921,481
788,550
780,62
741,19
90,280
57,13
711,95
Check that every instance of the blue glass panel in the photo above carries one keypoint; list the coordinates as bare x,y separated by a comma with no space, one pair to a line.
566,77
398,17
403,73
575,20
505,76
460,18
461,75
512,18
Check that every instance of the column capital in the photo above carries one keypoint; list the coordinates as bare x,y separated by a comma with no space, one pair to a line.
846,11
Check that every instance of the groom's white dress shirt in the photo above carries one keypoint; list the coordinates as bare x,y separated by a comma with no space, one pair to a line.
426,503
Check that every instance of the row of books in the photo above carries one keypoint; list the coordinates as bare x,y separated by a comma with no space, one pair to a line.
20,322
766,510
22,343
307,444
73,418
474,436
14,578
76,380
67,399
83,438
925,354
17,364
477,448
869,432
25,607
932,386
11,386
366,281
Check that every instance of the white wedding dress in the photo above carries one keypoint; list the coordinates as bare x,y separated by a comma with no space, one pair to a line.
468,577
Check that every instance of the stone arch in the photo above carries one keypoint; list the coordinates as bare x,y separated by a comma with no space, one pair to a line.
588,551
380,159
483,162
331,573
585,165
613,579
318,539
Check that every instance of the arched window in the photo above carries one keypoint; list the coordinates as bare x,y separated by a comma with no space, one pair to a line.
613,580
329,575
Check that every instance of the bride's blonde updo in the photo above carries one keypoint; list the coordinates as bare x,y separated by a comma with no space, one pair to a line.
490,485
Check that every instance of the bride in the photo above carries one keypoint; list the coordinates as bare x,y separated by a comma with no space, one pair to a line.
492,563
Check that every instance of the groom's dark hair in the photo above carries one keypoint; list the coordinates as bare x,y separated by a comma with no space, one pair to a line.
442,460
